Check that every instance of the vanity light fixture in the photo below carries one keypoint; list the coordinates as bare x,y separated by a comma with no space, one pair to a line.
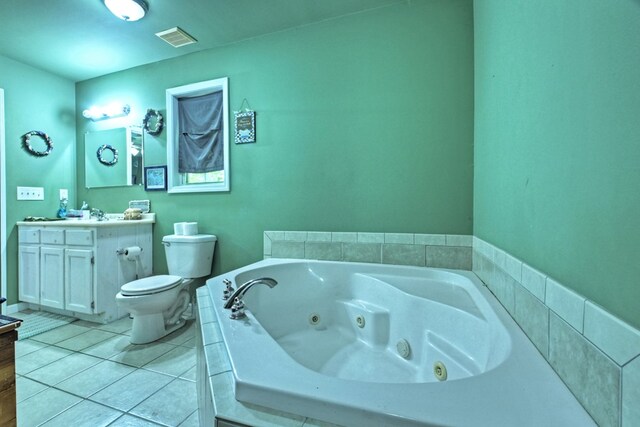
107,112
128,10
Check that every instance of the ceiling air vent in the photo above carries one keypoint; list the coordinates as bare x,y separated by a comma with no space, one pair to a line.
176,37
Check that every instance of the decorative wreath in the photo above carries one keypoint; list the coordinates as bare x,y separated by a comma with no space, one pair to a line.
107,162
26,143
159,122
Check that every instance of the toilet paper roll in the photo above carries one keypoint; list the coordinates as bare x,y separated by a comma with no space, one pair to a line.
178,228
190,228
132,253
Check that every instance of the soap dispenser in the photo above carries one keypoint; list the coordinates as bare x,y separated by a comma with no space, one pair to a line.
62,211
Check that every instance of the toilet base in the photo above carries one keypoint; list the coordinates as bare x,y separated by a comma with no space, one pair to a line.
147,328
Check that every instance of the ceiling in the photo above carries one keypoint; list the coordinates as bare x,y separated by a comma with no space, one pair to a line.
81,39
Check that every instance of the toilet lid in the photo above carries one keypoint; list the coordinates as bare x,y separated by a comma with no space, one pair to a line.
150,285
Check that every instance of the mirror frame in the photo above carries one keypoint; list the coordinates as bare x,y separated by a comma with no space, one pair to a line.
174,184
90,155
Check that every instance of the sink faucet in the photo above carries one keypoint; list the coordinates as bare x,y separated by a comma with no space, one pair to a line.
100,215
239,293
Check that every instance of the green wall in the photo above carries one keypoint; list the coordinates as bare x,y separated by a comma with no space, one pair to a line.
557,141
35,100
364,123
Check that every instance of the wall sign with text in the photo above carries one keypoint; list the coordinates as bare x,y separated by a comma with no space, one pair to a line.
245,122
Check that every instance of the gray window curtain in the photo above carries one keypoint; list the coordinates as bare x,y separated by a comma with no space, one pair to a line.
201,134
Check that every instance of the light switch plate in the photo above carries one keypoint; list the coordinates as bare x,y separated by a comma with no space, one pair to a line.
30,193
64,194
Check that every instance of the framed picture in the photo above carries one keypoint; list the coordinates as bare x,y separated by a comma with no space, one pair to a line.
245,126
155,178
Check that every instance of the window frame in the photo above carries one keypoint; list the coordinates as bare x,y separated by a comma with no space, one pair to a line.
173,95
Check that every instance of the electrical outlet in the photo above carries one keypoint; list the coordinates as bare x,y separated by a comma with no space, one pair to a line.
64,194
30,193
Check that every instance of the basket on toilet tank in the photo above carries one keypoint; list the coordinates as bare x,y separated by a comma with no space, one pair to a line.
189,256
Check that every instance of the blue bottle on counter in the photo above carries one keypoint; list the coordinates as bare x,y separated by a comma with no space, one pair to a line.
62,211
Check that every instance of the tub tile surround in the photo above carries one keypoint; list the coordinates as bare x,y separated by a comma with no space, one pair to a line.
589,373
596,354
631,395
424,250
573,334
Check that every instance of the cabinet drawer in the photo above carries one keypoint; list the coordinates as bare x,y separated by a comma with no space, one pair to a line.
29,235
52,237
80,237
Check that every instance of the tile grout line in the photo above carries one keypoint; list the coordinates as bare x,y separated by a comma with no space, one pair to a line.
173,377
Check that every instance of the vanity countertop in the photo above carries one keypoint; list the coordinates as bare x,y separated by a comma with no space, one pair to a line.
113,220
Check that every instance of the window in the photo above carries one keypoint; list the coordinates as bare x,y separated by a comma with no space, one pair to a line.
198,137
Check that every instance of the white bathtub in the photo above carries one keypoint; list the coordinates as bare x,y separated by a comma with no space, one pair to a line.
368,345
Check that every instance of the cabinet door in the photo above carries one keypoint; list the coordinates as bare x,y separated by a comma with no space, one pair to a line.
78,274
52,277
29,274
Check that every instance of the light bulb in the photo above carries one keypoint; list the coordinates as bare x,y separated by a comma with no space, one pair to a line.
127,10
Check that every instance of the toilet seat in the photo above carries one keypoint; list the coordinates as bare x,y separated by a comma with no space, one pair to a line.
150,285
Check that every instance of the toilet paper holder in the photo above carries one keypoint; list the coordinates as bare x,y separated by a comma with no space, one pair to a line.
125,251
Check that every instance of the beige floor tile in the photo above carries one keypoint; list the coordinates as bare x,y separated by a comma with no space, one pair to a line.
43,406
171,405
95,378
189,375
76,364
87,324
141,354
60,334
174,362
192,421
132,389
87,339
182,335
109,347
191,343
25,388
119,326
24,347
131,421
64,368
39,358
84,414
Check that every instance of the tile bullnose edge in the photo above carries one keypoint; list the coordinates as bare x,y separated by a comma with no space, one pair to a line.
566,303
614,337
631,393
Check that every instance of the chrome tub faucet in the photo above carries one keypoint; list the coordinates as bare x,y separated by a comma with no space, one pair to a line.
234,301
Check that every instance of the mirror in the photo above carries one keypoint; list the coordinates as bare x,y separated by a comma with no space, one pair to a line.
113,157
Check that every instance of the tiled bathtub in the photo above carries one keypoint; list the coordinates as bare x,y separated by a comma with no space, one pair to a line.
594,353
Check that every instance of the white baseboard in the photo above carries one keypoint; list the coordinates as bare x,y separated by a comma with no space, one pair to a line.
14,308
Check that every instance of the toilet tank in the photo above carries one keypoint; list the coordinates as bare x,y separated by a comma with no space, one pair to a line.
189,256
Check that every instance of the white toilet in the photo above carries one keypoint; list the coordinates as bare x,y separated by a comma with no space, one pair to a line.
157,303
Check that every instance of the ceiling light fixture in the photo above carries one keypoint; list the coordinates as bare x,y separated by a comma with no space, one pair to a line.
128,10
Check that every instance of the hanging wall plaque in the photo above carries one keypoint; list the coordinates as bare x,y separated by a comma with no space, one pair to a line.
245,126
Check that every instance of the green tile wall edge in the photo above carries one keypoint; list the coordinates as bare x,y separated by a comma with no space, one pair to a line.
618,347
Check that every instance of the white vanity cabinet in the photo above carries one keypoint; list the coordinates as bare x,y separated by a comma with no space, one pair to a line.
74,266
51,277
